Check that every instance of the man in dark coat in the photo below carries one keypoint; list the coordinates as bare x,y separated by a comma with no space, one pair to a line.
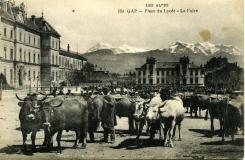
108,117
165,94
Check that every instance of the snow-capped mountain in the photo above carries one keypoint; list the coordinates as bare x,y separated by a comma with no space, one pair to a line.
116,50
204,48
100,46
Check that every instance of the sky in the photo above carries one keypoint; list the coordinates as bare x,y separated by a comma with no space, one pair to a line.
83,23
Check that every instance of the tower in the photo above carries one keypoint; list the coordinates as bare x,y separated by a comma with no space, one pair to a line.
184,61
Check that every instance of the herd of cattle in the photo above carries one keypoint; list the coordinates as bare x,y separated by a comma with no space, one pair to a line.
84,114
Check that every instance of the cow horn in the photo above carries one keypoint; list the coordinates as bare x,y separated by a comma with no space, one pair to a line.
106,101
43,98
162,104
19,97
58,105
109,93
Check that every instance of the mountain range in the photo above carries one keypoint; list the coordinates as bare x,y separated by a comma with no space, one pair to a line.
116,50
125,58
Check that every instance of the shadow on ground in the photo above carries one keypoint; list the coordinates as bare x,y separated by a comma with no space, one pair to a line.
236,142
205,132
17,149
131,143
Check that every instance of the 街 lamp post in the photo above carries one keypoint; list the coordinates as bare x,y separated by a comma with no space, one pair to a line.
37,82
30,85
1,89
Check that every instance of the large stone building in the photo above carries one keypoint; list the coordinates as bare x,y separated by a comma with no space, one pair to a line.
182,73
30,53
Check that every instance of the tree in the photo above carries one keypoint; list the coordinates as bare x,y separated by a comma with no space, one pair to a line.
3,82
222,74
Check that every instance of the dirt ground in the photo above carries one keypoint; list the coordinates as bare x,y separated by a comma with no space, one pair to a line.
196,142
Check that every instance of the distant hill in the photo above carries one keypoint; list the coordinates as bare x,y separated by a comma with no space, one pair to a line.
198,53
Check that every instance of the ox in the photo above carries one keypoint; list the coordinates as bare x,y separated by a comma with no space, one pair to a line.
65,114
200,102
170,113
217,108
140,116
126,107
233,117
102,109
30,117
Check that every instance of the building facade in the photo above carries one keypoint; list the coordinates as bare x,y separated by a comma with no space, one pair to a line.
30,53
182,73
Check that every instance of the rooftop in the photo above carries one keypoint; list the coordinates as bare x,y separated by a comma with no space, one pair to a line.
72,54
10,11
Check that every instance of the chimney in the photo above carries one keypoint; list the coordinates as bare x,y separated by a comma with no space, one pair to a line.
33,18
68,48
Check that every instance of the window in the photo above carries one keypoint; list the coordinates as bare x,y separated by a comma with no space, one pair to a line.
196,80
60,72
11,54
139,73
53,75
197,72
151,81
34,75
57,75
139,81
24,56
34,57
5,52
29,57
144,72
163,81
11,34
52,43
29,39
38,42
172,72
59,60
29,75
20,37
56,60
34,41
24,38
5,72
52,59
157,80
191,72
191,80
158,72
11,75
167,73
5,32
151,71
143,80
38,58
20,50
56,45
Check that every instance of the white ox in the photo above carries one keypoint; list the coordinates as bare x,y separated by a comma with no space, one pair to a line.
141,111
171,113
